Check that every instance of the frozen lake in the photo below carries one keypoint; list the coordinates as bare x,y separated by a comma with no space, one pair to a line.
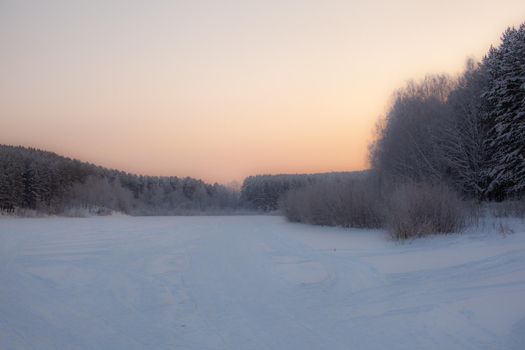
254,282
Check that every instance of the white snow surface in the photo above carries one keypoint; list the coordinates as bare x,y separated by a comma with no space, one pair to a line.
255,282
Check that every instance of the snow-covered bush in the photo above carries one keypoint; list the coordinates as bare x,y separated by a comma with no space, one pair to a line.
349,204
509,208
419,209
87,211
265,192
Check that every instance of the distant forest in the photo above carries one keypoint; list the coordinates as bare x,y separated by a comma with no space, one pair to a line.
46,182
265,192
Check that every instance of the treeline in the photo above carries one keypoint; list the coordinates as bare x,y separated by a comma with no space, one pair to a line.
264,192
32,179
443,141
41,181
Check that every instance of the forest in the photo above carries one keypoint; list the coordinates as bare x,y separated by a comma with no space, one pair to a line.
44,182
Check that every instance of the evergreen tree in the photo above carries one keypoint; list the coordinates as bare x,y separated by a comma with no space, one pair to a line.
505,114
34,179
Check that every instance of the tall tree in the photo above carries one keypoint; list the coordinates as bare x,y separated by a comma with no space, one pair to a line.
505,97
465,131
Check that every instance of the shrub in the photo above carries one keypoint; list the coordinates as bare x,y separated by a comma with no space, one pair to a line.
420,209
352,203
508,208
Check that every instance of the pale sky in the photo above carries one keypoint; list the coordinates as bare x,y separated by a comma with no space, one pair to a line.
220,90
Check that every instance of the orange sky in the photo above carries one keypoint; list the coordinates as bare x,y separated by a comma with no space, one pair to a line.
223,89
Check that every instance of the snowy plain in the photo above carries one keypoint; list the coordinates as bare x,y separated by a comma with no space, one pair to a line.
255,282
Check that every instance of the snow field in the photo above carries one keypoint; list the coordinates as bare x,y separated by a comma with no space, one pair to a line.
255,282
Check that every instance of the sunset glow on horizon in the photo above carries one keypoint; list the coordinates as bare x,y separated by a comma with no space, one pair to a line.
223,90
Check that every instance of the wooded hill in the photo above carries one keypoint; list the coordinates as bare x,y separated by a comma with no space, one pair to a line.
49,183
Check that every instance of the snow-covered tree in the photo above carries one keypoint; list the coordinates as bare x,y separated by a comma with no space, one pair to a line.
505,98
410,137
464,133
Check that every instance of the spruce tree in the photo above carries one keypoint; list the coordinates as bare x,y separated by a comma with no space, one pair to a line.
505,114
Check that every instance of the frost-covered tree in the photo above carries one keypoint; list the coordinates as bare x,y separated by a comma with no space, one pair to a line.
410,137
464,132
505,98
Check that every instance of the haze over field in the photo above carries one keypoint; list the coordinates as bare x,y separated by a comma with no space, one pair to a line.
222,90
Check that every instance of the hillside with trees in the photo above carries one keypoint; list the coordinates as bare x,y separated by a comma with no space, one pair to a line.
45,182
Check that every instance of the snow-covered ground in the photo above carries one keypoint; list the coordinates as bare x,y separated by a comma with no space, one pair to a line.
255,282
